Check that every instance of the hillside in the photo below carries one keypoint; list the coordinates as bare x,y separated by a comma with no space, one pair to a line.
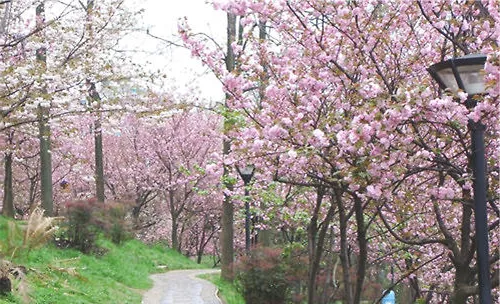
55,275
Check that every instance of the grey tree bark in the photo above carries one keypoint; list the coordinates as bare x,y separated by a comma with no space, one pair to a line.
44,127
8,191
98,149
227,233
95,97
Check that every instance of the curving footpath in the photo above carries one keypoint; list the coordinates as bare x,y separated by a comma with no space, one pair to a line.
182,287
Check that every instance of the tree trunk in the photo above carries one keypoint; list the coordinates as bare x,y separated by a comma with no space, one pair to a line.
174,213
8,193
317,237
175,239
459,296
312,233
94,96
5,19
363,250
344,252
201,248
464,275
227,233
44,127
45,160
265,235
99,163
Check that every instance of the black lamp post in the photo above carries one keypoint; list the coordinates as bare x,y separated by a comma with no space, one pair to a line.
465,74
246,175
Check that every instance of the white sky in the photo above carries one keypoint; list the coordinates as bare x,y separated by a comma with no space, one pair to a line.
161,17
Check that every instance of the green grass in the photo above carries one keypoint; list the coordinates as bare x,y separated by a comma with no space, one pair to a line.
118,276
227,291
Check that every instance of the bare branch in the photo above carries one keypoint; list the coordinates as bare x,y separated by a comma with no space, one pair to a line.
168,42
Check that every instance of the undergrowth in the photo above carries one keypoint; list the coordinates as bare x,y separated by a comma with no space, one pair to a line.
65,275
227,290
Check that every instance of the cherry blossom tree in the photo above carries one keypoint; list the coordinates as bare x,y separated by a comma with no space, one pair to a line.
64,49
348,106
162,161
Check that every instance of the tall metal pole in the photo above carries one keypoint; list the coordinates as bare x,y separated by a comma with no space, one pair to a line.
247,218
480,210
246,175
469,81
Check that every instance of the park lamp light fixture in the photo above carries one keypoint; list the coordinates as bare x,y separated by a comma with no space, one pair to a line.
466,74
246,173
461,74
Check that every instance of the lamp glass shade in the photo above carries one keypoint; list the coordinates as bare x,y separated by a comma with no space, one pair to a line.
246,173
462,73
447,77
472,78
247,170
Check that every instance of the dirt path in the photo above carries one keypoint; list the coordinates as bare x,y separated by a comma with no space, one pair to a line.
182,287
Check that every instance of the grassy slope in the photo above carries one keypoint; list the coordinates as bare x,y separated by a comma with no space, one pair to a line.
227,291
119,276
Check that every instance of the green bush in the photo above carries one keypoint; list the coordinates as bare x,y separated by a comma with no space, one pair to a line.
81,227
85,219
295,257
24,236
261,277
17,243
113,223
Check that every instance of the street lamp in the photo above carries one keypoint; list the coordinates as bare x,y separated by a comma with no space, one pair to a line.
246,175
466,74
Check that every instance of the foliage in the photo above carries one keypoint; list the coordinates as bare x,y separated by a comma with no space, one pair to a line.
112,220
262,276
67,276
80,227
58,275
22,237
337,98
297,266
38,230
85,219
20,240
166,166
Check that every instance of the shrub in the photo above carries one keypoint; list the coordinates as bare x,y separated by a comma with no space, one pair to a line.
112,221
297,270
81,226
39,229
85,219
22,237
261,277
